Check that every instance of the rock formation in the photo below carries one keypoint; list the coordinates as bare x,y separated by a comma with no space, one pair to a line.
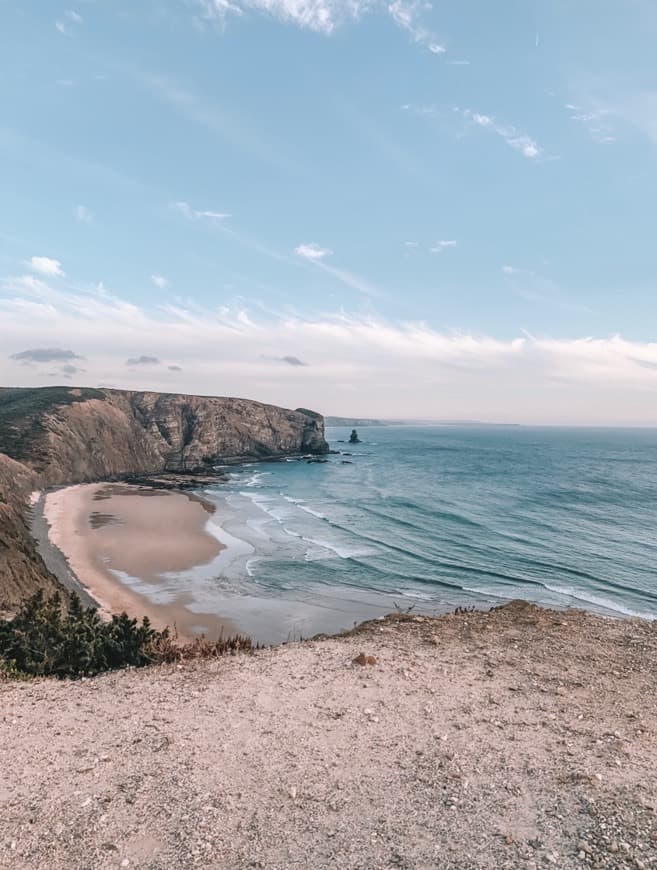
58,435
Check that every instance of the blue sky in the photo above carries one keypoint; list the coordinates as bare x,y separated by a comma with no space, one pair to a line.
371,208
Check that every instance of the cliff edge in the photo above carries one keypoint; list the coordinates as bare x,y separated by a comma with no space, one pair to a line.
55,436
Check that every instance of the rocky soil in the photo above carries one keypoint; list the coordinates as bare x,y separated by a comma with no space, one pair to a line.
521,738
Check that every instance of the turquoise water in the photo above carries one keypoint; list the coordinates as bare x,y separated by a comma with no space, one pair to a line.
433,518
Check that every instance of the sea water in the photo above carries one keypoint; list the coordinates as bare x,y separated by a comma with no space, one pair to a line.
427,519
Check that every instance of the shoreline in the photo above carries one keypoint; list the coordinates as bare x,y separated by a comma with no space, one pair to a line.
99,541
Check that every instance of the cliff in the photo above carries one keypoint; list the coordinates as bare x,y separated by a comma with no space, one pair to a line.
69,435
63,435
21,570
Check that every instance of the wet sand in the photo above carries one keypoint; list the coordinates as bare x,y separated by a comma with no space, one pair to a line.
145,533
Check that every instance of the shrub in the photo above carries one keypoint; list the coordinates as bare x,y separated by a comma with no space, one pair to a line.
45,638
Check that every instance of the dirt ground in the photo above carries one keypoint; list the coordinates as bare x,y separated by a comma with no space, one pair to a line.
517,738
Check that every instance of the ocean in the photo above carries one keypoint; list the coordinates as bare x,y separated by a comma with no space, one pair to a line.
426,519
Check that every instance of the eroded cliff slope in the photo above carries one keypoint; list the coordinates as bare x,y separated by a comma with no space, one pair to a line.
69,435
64,435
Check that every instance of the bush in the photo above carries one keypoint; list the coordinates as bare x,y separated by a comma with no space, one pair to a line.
45,639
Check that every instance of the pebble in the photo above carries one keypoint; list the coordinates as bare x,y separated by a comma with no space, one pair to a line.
293,792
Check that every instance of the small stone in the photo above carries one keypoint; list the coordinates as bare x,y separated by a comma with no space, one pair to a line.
613,846
434,639
125,862
583,846
293,792
363,660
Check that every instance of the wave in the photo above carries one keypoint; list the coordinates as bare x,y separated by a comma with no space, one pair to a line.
599,601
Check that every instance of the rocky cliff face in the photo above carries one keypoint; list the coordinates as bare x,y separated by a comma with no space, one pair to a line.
59,435
21,570
71,435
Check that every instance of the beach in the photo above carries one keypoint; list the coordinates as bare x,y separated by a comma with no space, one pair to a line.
121,541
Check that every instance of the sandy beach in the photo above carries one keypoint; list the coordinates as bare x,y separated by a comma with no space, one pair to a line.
108,531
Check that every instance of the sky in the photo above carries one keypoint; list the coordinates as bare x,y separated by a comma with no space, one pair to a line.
388,209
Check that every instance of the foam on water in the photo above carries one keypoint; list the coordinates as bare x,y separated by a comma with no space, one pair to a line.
437,517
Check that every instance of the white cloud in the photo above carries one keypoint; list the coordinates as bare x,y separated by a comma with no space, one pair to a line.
406,15
325,16
61,27
190,213
510,270
74,16
83,214
443,245
322,16
412,244
160,281
388,368
47,266
316,255
515,139
596,120
312,251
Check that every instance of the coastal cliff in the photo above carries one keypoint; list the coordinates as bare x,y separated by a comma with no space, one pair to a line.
69,435
56,436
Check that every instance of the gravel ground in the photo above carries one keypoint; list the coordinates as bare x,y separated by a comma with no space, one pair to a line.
518,738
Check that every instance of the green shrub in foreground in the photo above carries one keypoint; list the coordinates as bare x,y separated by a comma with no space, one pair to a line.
44,639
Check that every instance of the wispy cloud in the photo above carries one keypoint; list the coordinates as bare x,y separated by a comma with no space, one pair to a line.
160,281
239,133
317,254
597,121
540,289
312,251
46,266
83,214
190,213
325,16
407,16
513,137
68,21
390,367
443,245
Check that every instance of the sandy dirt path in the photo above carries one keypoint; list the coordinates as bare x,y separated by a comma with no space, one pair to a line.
519,738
